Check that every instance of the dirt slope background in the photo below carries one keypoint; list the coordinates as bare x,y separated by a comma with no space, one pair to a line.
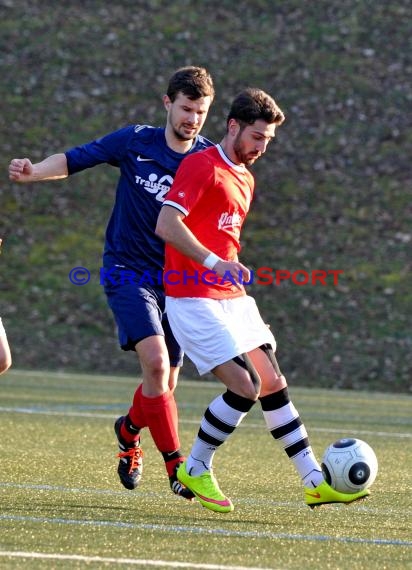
333,191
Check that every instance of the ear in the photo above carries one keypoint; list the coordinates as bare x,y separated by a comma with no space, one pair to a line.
167,102
233,127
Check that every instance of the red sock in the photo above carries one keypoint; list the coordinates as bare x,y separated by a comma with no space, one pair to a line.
170,465
136,417
128,433
161,418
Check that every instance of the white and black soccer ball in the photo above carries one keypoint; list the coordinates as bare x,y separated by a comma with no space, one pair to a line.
349,465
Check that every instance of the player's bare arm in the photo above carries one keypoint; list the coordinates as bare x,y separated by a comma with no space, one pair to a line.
171,228
53,167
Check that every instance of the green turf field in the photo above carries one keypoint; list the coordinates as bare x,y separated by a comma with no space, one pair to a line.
62,505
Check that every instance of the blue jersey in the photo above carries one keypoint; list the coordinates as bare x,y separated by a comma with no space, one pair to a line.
147,168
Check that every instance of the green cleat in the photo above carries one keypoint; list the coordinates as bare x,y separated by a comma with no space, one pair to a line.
206,490
323,494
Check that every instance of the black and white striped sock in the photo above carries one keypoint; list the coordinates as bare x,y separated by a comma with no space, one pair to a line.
284,423
221,418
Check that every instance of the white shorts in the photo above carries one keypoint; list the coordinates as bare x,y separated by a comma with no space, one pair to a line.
2,329
212,331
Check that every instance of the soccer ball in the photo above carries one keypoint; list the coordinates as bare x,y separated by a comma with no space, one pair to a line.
349,465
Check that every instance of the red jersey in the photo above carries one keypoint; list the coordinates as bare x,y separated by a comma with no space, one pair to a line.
215,195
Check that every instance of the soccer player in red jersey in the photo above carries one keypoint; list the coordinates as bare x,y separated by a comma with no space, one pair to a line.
217,324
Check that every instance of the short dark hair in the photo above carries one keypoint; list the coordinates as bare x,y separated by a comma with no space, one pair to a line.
194,82
253,104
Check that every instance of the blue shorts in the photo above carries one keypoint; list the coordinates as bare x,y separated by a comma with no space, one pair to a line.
139,311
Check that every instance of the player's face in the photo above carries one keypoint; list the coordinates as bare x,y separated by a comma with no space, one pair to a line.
250,142
185,116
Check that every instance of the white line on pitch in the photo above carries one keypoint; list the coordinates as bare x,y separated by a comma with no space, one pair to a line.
208,531
60,413
133,561
153,494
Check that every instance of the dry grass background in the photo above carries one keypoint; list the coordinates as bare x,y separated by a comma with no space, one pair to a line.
334,190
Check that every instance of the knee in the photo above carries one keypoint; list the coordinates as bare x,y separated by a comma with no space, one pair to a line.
157,366
273,385
155,377
248,390
156,372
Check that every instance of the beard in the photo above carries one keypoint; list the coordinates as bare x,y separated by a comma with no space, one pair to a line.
182,136
243,157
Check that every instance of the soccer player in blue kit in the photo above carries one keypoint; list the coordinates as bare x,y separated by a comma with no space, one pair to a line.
133,258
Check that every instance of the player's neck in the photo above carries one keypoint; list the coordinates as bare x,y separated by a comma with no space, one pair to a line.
229,152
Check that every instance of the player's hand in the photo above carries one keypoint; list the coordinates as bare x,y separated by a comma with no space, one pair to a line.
20,170
232,271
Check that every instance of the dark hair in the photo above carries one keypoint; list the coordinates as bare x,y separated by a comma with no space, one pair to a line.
253,104
194,82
